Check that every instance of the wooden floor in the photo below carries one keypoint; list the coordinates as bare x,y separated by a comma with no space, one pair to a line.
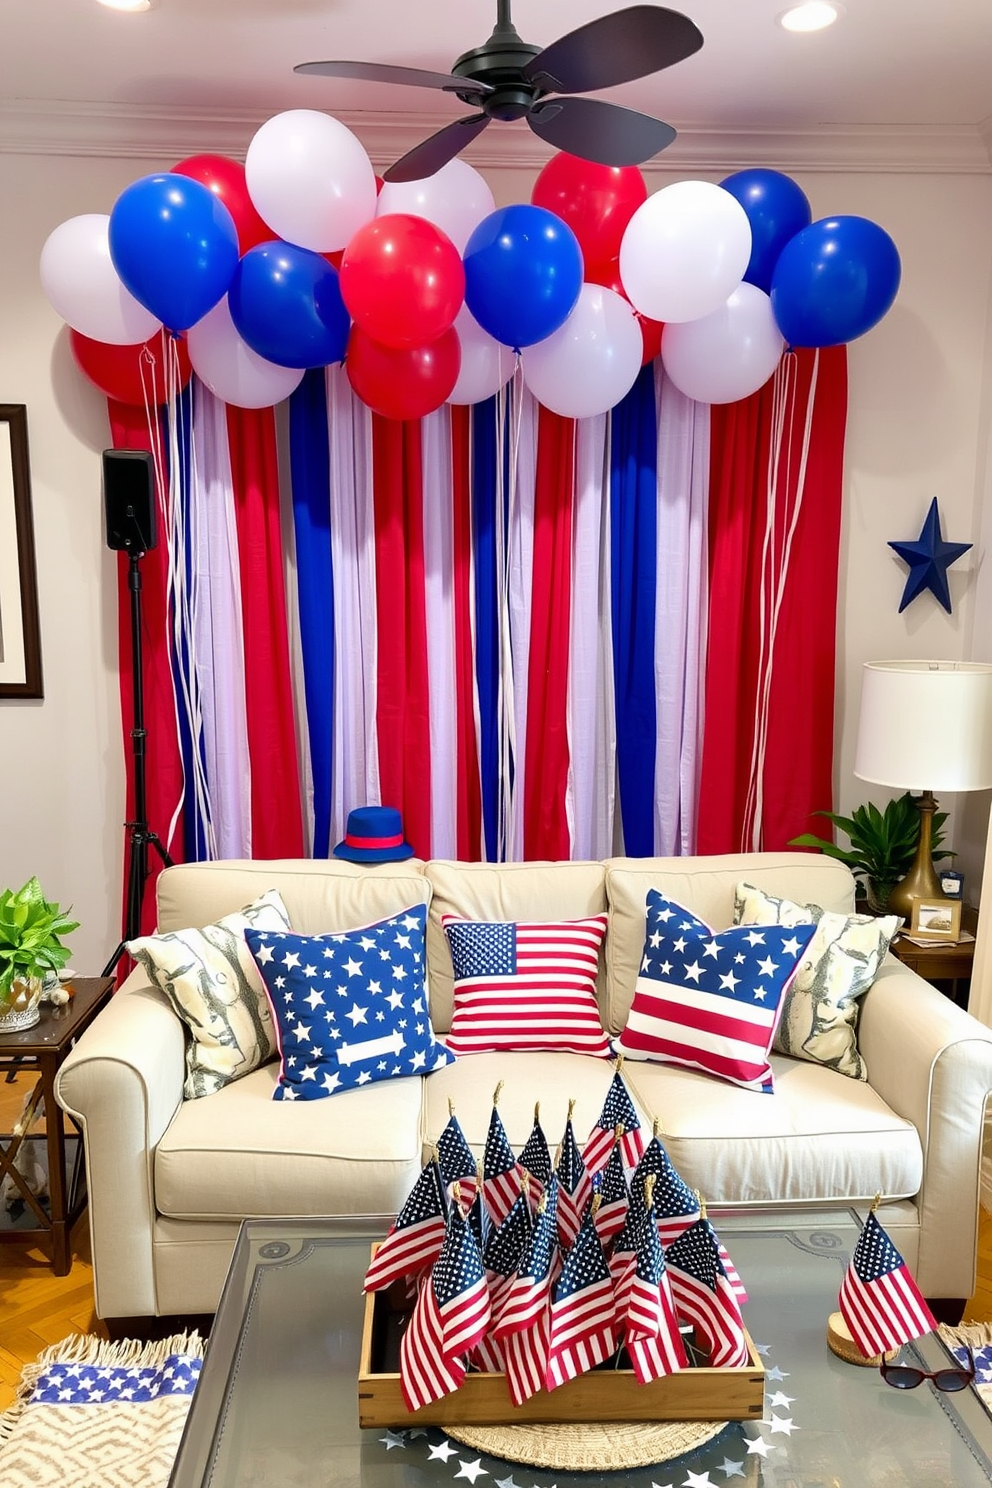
37,1308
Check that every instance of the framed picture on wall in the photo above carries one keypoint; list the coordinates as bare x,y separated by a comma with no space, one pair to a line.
936,919
20,639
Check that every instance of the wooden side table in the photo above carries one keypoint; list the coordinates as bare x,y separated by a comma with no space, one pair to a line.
43,1049
946,964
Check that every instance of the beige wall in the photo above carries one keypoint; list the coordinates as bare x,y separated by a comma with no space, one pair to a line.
918,427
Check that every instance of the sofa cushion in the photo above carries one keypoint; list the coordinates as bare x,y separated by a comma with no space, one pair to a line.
320,894
241,1153
503,891
706,886
526,984
528,1080
821,1137
820,1011
350,1008
214,985
709,999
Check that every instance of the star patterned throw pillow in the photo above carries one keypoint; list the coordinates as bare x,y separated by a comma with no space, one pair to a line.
349,1008
710,1001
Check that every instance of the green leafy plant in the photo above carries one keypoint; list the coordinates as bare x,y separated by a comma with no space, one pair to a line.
883,843
30,936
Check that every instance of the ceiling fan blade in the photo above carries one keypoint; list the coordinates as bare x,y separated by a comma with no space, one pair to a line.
428,157
599,131
384,72
615,49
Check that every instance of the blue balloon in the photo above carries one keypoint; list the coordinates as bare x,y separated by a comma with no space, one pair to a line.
523,273
777,209
174,246
834,281
286,304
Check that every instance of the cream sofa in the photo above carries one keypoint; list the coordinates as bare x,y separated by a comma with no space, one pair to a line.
170,1179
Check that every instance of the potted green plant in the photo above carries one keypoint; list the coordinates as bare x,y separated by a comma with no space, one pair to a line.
31,949
883,844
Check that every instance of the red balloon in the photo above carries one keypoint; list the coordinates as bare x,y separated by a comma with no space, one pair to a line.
402,280
131,374
608,274
597,202
226,179
405,382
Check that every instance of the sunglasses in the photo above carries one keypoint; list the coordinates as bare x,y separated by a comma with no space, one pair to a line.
906,1377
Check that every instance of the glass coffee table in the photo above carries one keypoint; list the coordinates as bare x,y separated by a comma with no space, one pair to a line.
277,1399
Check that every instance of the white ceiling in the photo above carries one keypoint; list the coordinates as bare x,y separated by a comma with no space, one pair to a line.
922,65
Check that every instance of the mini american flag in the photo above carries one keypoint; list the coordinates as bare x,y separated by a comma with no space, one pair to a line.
704,1296
536,1159
526,985
618,1110
623,1256
611,1187
677,1207
416,1237
879,1299
574,1185
711,1001
451,1315
500,1173
651,1325
425,1373
457,1162
582,1311
524,1319
506,1246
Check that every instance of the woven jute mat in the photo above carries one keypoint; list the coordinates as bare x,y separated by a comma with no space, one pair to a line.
585,1446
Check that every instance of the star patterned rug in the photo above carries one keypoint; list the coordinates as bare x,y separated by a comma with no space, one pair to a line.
93,1414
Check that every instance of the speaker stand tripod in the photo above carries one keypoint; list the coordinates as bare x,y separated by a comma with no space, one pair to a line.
139,835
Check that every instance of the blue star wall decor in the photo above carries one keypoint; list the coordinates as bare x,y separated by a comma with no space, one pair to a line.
929,558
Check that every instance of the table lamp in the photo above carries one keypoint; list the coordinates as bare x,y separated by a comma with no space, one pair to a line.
924,726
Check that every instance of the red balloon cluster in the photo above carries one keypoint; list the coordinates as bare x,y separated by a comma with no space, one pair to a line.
597,202
403,283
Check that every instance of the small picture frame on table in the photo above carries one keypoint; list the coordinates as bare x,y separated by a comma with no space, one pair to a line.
951,883
936,919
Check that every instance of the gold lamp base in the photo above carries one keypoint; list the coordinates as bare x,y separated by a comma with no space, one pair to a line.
921,882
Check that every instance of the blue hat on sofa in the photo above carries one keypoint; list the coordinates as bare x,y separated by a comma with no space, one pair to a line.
374,835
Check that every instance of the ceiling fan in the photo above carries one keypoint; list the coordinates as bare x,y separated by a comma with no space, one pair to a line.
506,78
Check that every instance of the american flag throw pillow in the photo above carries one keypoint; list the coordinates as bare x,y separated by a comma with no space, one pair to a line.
526,985
711,1001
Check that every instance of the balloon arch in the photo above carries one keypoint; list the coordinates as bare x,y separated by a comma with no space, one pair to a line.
249,275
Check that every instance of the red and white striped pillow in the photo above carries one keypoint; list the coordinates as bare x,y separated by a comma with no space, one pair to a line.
526,985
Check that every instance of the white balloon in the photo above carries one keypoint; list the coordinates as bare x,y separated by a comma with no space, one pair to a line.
81,283
590,362
231,370
455,199
310,179
487,365
727,355
684,251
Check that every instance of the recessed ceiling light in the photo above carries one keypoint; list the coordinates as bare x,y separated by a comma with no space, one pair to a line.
129,4
812,15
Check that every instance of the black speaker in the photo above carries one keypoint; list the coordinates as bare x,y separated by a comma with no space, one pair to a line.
129,500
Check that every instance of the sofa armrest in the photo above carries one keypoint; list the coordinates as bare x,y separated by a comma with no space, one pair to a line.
932,1063
123,1083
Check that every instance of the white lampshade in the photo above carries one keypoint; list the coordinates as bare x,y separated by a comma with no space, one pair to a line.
926,725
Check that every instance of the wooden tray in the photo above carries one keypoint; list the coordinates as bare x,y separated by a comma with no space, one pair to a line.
699,1394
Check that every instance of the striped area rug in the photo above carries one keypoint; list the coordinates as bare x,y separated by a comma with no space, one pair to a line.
93,1414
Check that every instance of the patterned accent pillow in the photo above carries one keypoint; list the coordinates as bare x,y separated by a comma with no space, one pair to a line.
708,1000
820,1014
526,985
212,982
350,1007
